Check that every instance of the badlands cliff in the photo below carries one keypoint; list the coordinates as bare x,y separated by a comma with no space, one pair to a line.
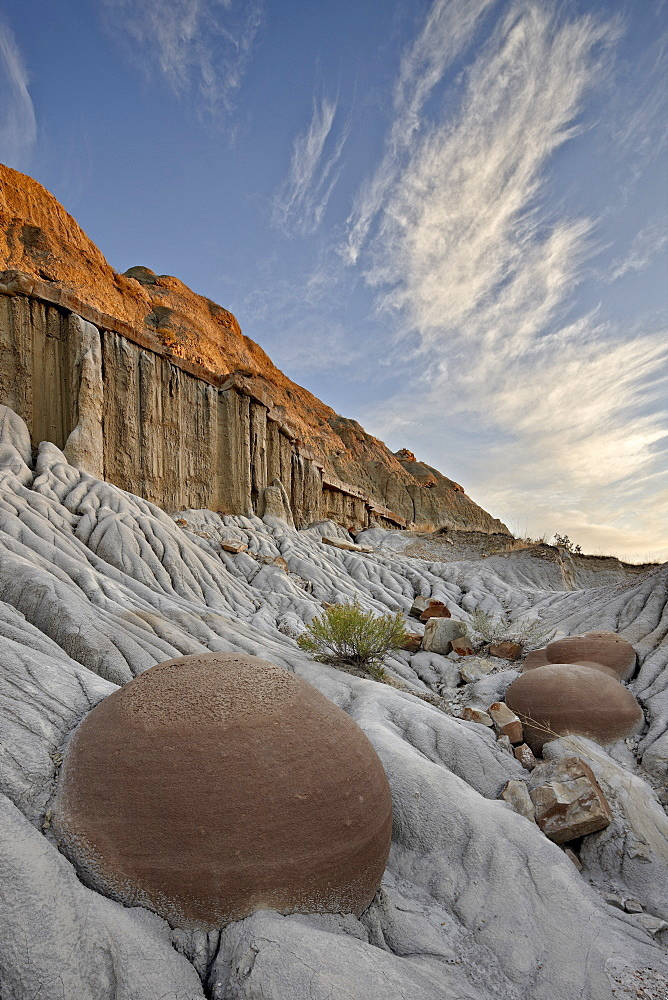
194,412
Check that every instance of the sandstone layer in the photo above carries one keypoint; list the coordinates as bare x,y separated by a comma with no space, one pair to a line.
216,784
40,240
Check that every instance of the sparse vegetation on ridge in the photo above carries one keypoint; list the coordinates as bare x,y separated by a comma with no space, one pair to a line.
564,542
530,633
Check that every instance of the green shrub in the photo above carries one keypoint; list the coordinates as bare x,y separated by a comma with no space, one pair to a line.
345,633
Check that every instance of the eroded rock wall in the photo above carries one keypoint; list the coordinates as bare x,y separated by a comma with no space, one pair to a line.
36,357
137,418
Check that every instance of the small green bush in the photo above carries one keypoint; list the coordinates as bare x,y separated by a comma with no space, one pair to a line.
345,633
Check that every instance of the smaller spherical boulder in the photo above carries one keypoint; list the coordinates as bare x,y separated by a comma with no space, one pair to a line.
605,648
568,698
217,784
536,658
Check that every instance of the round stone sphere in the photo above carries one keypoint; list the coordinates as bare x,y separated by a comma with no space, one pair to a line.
608,649
562,698
536,658
217,784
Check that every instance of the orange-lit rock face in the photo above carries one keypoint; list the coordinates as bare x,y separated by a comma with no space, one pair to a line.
562,698
606,648
217,784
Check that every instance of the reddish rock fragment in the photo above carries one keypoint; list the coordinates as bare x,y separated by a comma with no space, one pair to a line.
505,721
475,715
234,547
506,650
439,633
462,646
516,794
568,800
524,754
435,609
419,605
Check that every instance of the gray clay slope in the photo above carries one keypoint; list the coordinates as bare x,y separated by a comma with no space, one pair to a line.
98,585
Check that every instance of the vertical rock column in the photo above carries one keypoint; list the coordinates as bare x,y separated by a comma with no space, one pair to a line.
35,367
84,447
153,387
312,492
16,338
297,491
233,466
285,458
199,415
122,446
273,450
258,452
51,375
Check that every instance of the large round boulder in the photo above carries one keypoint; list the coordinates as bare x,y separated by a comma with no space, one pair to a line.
606,648
217,784
562,698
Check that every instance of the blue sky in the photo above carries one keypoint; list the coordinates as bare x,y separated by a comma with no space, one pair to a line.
446,219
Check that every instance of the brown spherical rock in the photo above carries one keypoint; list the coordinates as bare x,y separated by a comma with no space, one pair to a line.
605,648
217,784
563,698
536,658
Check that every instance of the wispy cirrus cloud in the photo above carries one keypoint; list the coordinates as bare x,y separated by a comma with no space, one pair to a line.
647,245
18,124
447,30
462,238
314,170
201,47
479,270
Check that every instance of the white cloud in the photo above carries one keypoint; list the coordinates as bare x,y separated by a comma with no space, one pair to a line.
460,231
313,173
647,245
200,46
18,125
447,30
473,262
